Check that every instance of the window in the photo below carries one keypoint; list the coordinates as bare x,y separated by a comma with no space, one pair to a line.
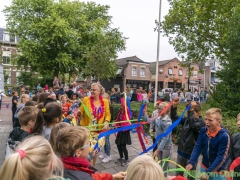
6,37
170,71
195,74
180,72
12,38
134,71
142,72
6,60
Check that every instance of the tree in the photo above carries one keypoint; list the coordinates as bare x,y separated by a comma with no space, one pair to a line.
101,62
226,95
6,76
196,29
55,36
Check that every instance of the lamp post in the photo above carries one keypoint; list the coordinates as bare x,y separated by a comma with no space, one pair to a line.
158,50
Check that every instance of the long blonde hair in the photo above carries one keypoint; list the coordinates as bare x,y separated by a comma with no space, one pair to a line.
38,163
144,167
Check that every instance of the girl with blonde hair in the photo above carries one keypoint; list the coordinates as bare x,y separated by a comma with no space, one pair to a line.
33,159
23,99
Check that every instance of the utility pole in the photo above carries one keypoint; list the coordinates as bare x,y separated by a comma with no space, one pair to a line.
158,50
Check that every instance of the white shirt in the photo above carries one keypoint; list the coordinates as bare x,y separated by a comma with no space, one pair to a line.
2,94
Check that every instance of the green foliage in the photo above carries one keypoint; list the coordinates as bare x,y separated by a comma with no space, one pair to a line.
230,123
62,36
196,28
6,76
226,95
30,79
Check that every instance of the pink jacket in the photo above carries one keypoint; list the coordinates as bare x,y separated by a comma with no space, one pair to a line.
122,117
139,96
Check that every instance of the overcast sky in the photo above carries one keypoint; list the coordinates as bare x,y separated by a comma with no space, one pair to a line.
136,19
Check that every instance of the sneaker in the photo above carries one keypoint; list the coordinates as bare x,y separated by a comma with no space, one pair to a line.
119,161
107,159
125,163
102,156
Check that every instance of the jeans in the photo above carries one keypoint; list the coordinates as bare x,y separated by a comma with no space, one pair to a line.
107,147
213,176
184,162
166,153
201,99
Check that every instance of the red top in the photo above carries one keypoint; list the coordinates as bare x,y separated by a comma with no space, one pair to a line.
65,108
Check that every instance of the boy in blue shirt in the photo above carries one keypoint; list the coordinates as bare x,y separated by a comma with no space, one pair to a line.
213,142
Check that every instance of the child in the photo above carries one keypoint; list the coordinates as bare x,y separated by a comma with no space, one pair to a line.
161,124
139,96
68,119
54,132
27,119
73,147
234,151
23,99
33,159
144,167
191,126
213,142
51,114
14,104
144,96
123,137
65,105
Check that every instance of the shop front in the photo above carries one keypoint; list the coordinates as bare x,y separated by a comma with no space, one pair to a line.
135,84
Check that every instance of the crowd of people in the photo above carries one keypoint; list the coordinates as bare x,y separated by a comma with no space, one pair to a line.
54,132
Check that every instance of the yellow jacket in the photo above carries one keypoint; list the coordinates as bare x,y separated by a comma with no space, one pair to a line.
85,121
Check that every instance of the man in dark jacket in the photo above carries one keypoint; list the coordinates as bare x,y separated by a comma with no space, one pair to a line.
191,126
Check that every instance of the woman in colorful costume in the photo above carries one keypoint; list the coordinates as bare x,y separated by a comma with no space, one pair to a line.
99,111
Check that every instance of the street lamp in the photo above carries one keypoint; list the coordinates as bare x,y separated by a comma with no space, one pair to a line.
158,50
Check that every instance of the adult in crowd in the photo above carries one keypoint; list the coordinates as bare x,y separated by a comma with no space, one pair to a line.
74,87
14,104
1,95
56,82
196,95
70,91
134,96
118,95
128,93
38,86
99,109
113,96
189,95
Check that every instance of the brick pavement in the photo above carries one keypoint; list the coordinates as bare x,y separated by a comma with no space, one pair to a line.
111,167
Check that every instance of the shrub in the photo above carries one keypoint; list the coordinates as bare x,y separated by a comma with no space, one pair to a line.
228,122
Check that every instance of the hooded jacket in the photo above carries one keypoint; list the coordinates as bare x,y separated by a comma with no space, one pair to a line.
16,136
161,125
213,149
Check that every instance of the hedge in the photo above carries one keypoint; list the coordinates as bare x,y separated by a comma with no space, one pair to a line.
230,123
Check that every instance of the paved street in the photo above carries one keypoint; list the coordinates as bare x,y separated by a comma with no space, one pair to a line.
111,167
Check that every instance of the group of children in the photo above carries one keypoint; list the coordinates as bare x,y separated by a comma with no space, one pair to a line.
71,144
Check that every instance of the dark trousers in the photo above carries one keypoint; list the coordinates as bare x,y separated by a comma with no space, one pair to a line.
122,149
154,139
184,162
0,104
13,112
